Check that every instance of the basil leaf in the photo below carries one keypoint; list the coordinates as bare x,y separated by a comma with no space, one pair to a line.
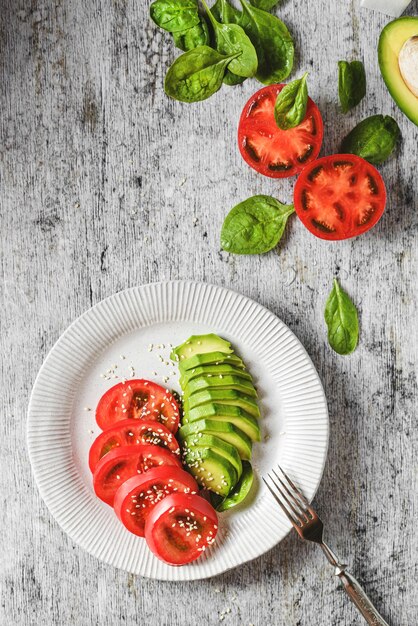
255,226
374,138
175,15
231,39
196,75
291,104
265,5
351,84
272,41
223,12
342,321
192,37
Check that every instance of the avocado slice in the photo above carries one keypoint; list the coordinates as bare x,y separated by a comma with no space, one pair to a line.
211,470
241,489
200,344
223,396
392,39
220,382
211,442
209,358
245,422
213,370
222,429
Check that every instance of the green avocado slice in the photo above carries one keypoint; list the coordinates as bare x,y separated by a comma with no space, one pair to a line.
241,489
223,396
220,382
246,422
209,358
391,41
211,442
211,470
213,370
200,344
224,430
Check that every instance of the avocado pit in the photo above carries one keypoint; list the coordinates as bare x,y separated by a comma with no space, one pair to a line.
408,63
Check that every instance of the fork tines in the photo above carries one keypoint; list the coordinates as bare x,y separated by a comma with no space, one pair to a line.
289,497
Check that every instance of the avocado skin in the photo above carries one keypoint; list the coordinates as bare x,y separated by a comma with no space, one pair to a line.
391,40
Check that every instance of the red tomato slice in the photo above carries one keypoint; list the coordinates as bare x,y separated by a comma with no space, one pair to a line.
138,399
339,196
268,149
122,463
131,432
180,527
139,494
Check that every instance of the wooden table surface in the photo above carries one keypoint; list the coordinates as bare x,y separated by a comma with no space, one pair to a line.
106,184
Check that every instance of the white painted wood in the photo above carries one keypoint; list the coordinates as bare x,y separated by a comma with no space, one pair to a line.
105,184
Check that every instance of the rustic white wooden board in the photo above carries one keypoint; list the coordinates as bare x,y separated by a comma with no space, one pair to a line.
106,184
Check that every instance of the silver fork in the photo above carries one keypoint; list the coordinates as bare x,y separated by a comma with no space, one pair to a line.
307,523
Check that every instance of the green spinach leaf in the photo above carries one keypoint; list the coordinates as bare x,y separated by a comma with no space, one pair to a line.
175,15
192,37
351,84
272,41
265,5
342,321
232,79
196,75
255,226
231,39
223,12
291,104
374,138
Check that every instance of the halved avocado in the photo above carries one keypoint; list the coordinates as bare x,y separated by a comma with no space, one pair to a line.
199,344
224,430
211,442
223,396
213,370
241,489
244,421
392,39
210,358
220,382
211,470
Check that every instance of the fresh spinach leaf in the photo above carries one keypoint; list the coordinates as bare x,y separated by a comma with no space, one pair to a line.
231,79
351,84
255,226
223,12
272,41
342,321
175,15
231,39
291,104
192,37
197,74
374,138
264,5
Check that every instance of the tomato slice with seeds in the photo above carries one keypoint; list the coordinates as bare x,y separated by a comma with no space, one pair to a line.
180,528
138,399
122,463
339,196
139,494
270,150
131,432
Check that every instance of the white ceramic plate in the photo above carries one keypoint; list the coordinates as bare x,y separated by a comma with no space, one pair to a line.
61,430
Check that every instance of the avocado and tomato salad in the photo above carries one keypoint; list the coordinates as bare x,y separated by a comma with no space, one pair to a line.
398,60
220,417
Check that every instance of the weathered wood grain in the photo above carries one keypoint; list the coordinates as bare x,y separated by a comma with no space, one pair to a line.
105,184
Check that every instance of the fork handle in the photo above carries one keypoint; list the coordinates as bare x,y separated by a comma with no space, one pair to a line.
360,599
